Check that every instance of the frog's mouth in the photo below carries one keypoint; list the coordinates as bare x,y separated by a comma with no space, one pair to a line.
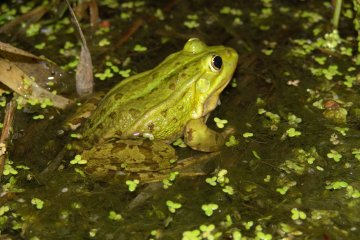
213,100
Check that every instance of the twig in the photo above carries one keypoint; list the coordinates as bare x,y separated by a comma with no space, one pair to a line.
139,22
31,16
8,121
53,165
130,31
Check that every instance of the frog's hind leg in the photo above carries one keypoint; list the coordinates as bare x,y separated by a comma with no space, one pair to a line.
187,167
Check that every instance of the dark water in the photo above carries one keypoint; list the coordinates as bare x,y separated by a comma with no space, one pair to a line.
297,177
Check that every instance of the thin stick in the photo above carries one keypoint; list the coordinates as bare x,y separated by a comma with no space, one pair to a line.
337,11
8,121
139,23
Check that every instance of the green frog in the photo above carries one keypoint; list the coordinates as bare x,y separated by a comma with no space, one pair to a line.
130,131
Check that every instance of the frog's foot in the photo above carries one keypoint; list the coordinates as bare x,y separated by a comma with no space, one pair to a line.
199,137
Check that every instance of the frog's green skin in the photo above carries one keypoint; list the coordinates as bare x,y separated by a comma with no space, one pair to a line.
163,104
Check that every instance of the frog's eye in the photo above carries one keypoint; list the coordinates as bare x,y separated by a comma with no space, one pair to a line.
216,63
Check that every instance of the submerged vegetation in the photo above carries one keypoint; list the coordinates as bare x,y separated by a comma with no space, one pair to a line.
290,170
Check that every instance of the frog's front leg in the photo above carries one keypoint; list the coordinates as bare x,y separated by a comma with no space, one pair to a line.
199,137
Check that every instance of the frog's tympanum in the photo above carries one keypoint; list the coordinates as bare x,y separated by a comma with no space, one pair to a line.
133,125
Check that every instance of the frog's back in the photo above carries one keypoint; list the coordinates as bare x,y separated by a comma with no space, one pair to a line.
144,103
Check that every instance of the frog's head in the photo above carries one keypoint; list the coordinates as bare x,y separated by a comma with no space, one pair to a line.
213,67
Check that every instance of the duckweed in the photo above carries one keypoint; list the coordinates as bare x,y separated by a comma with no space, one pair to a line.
333,154
125,73
180,143
132,184
106,74
336,185
170,180
209,208
9,170
292,132
220,123
282,190
173,206
191,235
232,141
38,203
297,214
191,21
115,216
248,134
4,209
78,160
140,48
104,42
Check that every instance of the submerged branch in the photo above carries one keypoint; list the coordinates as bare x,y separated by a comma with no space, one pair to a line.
31,16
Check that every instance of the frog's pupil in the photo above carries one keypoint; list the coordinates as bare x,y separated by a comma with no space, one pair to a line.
217,62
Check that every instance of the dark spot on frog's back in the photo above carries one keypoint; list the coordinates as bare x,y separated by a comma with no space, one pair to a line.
103,112
118,133
146,143
134,112
164,113
228,52
136,81
190,134
94,138
151,126
112,115
172,86
180,108
183,75
154,75
140,99
119,95
119,145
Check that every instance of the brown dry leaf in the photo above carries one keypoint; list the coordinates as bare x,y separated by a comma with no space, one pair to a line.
18,81
40,68
84,73
5,47
19,69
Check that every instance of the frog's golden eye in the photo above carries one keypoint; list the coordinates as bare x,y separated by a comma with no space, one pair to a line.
216,63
